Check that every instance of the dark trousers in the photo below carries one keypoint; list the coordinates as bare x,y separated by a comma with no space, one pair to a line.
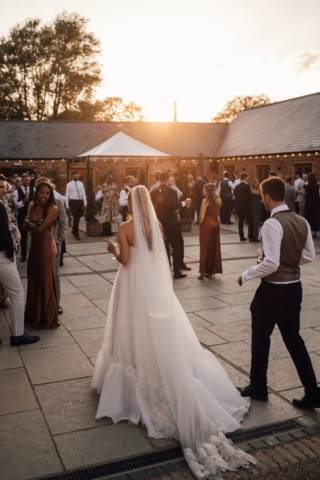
275,304
76,207
24,236
173,239
226,209
245,215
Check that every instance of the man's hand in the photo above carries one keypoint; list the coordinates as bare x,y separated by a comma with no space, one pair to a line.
25,200
240,281
68,211
188,202
11,259
84,208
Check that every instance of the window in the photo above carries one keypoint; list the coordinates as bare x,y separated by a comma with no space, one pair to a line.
262,172
303,168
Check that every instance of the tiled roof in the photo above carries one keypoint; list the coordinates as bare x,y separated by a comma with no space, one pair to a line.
23,139
288,126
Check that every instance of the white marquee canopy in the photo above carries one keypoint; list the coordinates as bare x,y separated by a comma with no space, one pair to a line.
121,145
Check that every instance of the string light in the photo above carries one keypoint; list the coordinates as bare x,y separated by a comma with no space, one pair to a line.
105,160
292,154
20,161
228,159
249,158
278,156
218,161
239,158
317,153
300,154
256,157
308,154
233,158
63,159
42,161
262,156
270,156
285,156
52,161
210,159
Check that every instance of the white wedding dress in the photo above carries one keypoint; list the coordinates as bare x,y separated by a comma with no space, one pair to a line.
151,367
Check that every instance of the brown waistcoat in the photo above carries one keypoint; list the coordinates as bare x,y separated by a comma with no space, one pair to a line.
295,233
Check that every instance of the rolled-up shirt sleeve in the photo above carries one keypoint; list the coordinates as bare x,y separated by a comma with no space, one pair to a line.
99,195
123,202
272,234
308,253
84,195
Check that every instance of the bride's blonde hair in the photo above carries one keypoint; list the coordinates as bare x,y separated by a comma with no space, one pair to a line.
142,195
212,194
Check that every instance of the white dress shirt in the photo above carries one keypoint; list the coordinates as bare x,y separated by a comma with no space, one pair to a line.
272,233
236,182
231,185
298,186
16,196
155,186
176,189
75,191
123,202
99,195
58,196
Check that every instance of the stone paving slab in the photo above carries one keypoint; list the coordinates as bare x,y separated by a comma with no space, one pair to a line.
101,444
9,357
226,314
79,405
21,458
97,291
90,341
47,365
16,393
83,319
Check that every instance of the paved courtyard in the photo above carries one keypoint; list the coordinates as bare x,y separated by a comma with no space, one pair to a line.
47,411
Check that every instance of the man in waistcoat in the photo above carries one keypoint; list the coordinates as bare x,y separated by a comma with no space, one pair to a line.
225,190
123,202
22,198
287,244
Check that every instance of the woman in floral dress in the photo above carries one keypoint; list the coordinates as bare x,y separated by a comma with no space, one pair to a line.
110,199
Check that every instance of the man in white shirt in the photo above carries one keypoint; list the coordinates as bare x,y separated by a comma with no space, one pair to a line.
287,244
22,198
236,179
158,183
123,202
76,201
298,186
225,190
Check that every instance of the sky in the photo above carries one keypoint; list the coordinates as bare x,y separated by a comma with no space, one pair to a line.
200,53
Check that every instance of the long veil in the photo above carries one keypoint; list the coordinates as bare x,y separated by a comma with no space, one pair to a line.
180,389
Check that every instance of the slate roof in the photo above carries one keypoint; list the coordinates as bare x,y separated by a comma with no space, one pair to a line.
60,139
283,127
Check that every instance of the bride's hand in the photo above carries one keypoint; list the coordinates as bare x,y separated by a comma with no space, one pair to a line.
111,247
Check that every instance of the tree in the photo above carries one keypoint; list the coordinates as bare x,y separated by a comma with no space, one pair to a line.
239,103
47,69
114,109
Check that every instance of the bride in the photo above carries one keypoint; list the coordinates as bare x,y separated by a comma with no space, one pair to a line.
151,367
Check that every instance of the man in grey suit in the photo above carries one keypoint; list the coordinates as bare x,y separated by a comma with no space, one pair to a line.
291,196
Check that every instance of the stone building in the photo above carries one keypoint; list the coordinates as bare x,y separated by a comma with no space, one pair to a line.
283,137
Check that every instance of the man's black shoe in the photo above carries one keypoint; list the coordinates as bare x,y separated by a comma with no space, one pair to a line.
23,259
24,339
60,311
78,237
253,240
184,267
243,239
306,403
254,393
179,275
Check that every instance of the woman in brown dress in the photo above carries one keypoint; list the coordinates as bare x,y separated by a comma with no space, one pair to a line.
42,308
210,252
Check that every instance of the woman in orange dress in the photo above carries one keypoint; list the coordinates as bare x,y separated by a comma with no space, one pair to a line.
42,307
210,252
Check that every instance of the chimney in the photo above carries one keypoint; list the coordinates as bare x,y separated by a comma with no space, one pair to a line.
175,112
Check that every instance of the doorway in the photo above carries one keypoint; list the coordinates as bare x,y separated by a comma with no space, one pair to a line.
303,168
137,172
262,172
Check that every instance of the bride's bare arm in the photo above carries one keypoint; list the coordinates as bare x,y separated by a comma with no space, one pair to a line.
123,253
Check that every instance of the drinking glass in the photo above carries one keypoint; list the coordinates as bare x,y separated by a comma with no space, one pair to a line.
259,255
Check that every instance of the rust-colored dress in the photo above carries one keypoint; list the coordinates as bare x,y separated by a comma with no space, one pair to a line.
210,252
41,308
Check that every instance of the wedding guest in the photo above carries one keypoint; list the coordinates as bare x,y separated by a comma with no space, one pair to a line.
123,200
165,203
272,174
236,179
298,186
210,251
17,183
10,279
59,232
312,203
174,187
280,175
291,195
191,195
76,201
198,191
256,207
22,198
287,244
225,191
243,196
157,184
110,199
42,305
136,182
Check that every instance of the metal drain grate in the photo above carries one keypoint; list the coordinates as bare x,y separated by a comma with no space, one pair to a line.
259,432
120,466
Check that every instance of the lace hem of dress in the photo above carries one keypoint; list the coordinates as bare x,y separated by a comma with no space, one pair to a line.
215,457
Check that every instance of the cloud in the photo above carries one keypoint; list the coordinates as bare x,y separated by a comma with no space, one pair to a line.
309,60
